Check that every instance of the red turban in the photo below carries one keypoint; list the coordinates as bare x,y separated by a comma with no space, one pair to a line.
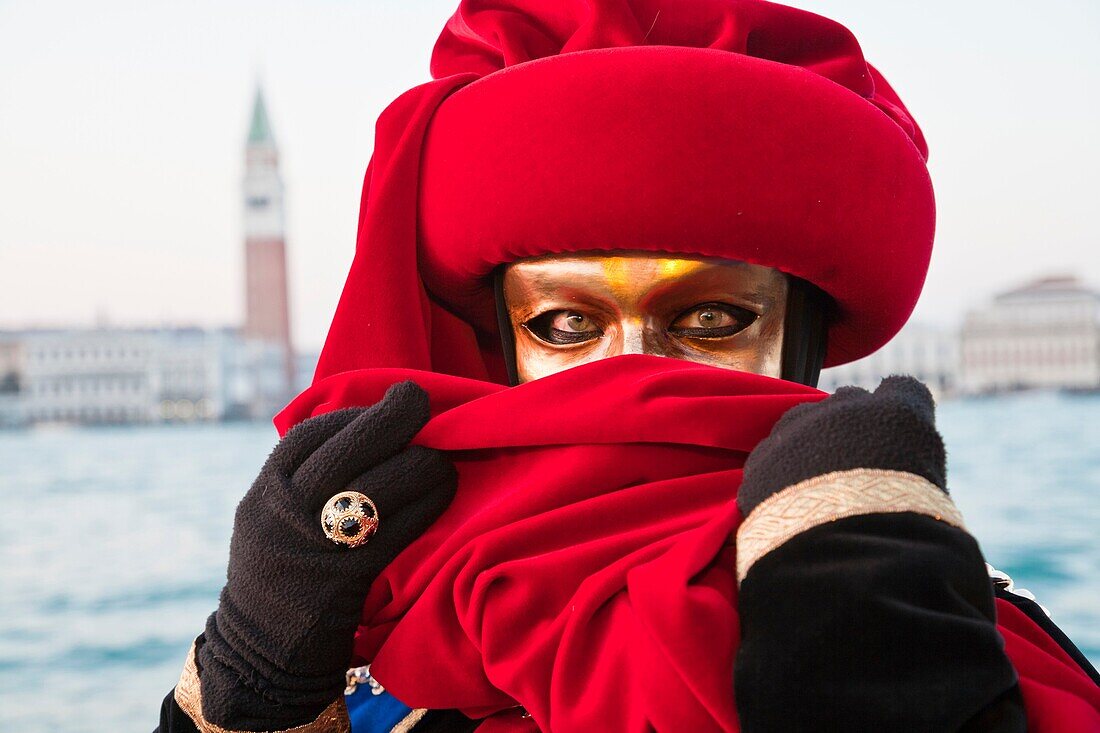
727,128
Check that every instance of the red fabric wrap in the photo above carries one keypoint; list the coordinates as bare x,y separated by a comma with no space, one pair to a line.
585,569
727,128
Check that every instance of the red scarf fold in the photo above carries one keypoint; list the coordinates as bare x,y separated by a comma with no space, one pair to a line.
585,570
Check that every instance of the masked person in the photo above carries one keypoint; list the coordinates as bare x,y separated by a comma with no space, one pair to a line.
503,495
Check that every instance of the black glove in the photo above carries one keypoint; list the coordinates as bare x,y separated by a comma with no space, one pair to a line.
276,650
893,428
879,621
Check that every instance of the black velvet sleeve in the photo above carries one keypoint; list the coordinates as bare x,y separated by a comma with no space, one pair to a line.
873,623
172,719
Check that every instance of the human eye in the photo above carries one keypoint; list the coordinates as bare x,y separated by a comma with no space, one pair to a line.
563,327
712,321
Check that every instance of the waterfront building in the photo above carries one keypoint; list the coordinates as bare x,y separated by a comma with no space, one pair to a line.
1045,334
267,300
140,375
94,376
87,376
929,353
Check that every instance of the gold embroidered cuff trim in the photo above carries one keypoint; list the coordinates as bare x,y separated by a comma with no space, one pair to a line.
834,496
406,724
333,719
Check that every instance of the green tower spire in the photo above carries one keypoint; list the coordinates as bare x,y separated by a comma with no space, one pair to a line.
259,131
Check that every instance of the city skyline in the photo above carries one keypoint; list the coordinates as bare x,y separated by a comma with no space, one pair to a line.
121,126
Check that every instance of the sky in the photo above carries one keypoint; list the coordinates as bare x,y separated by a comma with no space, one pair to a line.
122,126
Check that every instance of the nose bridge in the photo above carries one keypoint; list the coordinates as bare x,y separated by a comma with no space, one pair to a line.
639,336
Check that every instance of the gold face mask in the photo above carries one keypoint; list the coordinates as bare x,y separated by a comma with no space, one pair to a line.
570,310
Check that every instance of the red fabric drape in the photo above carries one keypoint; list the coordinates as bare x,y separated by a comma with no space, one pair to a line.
585,570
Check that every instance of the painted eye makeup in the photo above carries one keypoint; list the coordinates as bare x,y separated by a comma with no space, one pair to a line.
712,321
563,327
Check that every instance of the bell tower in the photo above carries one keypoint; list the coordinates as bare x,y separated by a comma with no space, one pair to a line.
267,305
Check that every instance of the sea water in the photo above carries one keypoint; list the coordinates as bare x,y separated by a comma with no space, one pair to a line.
113,544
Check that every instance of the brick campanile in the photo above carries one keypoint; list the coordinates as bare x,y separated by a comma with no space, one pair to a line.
267,303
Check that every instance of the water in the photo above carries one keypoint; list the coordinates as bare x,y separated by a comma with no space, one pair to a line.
113,544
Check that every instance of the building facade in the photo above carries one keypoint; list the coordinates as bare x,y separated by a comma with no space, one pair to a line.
88,376
125,376
928,353
1045,334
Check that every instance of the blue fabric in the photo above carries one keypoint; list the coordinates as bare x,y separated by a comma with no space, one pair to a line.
372,713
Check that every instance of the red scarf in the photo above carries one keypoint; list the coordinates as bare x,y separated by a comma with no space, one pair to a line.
586,569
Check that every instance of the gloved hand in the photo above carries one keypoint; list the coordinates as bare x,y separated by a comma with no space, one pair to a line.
893,428
882,619
277,648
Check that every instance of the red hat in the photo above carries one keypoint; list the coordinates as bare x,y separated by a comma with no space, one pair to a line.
738,129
